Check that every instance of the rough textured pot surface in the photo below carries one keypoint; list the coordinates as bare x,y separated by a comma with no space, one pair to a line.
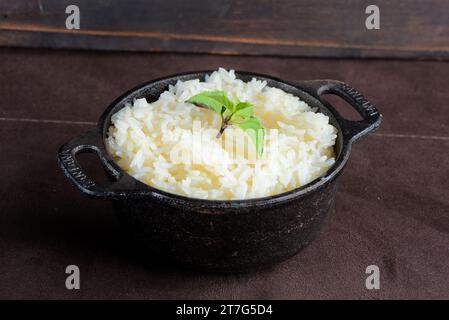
220,235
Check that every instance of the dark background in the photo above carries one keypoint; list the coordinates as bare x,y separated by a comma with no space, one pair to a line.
392,206
313,28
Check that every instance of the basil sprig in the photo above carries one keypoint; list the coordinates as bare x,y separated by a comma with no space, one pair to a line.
240,114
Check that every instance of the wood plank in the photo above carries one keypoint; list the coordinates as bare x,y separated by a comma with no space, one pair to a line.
409,28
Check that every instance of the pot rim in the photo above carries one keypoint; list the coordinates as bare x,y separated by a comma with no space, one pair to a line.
127,187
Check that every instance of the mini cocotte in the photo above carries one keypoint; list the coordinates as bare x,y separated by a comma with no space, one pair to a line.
172,145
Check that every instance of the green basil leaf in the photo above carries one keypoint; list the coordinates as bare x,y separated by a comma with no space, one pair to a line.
254,129
242,105
242,114
214,100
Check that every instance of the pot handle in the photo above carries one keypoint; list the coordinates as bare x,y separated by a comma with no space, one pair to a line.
91,142
353,130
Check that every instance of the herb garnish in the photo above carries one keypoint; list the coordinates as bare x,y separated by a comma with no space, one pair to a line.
240,114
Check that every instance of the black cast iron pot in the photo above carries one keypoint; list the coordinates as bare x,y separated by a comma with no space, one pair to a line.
216,235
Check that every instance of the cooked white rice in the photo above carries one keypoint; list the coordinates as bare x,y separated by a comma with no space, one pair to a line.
146,137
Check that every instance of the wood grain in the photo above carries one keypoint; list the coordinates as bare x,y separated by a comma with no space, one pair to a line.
409,28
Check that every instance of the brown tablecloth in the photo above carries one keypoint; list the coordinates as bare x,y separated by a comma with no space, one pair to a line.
392,207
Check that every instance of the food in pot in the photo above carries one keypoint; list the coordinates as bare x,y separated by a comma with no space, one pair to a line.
172,143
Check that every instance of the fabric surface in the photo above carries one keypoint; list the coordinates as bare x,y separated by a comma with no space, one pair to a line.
392,205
